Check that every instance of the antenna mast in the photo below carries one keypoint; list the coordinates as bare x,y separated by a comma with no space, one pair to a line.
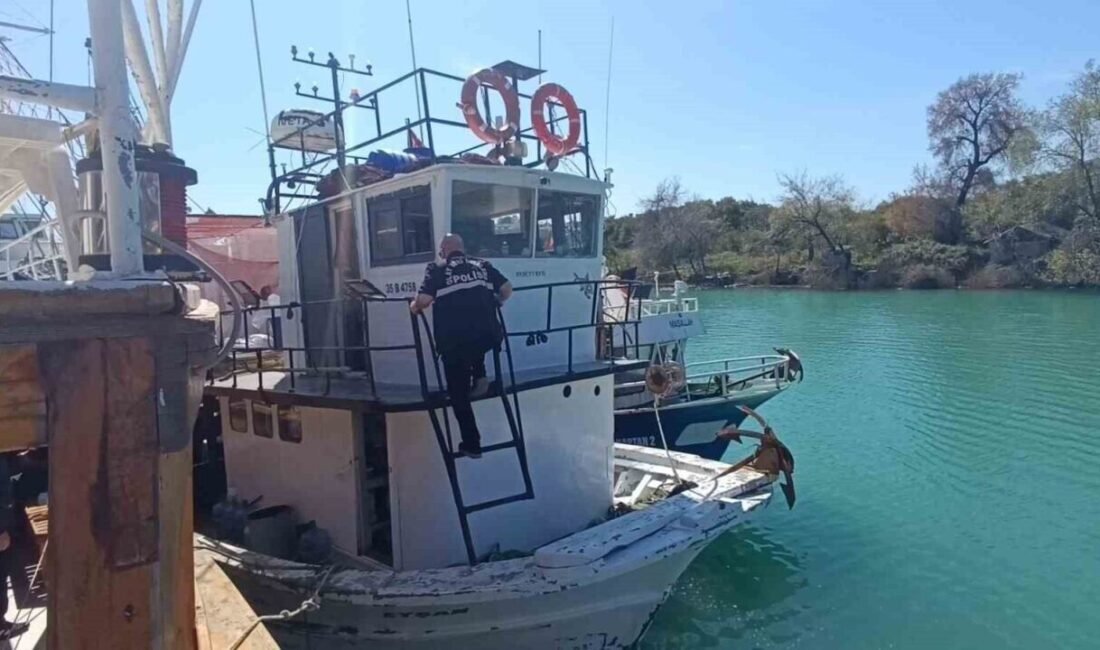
412,49
607,99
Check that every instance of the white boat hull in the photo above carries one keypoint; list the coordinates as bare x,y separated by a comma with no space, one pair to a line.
611,613
598,588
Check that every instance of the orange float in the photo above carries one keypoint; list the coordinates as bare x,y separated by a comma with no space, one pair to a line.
557,146
498,82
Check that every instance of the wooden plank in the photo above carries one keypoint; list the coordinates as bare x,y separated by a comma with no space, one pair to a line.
101,585
54,302
222,614
22,403
176,576
132,450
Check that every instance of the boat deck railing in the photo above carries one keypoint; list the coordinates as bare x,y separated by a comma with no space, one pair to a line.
263,360
388,98
726,377
660,306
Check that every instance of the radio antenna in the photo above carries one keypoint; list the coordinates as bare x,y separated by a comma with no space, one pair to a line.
417,79
607,99
260,68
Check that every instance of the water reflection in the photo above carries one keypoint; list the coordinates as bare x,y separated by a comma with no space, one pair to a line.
738,586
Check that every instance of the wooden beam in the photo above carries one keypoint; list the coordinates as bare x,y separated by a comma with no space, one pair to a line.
103,493
22,404
222,614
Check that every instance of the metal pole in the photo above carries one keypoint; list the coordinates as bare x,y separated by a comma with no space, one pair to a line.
118,137
338,115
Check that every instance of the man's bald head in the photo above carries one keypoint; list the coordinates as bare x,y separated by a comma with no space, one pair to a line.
451,243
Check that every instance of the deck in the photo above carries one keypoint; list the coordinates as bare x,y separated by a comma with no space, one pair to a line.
337,390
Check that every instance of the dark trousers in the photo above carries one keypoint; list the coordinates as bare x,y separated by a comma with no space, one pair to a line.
462,366
5,561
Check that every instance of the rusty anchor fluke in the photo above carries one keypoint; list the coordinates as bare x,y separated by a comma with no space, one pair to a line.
771,456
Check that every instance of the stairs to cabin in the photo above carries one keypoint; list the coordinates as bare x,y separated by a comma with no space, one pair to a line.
441,425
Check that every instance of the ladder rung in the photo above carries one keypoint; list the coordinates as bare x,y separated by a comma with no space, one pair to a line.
485,505
500,445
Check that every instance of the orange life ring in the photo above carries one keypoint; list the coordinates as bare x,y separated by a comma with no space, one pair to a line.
555,145
498,82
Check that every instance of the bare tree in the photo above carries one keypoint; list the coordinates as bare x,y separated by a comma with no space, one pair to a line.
972,124
817,208
1071,135
655,238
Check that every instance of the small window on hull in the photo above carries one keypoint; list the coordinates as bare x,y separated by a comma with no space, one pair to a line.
238,415
290,424
261,420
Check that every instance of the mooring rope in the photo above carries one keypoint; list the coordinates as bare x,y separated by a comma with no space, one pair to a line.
664,443
311,604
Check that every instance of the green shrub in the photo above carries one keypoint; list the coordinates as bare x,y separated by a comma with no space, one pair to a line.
1073,267
924,252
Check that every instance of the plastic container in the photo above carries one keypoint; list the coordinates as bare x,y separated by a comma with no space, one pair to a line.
272,531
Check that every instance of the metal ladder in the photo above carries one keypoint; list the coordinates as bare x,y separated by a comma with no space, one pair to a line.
444,437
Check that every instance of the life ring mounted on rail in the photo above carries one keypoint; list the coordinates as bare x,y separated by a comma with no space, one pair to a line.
468,105
554,144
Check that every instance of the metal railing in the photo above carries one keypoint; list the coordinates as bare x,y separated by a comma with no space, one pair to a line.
309,172
355,360
726,377
37,254
660,306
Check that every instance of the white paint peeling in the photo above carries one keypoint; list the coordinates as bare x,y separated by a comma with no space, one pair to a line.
618,573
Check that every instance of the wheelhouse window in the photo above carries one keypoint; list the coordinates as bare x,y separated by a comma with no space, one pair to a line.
401,226
493,220
568,224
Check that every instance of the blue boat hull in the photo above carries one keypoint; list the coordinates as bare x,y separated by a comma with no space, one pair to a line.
690,426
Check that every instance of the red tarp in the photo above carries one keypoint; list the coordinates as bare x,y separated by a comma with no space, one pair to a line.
239,247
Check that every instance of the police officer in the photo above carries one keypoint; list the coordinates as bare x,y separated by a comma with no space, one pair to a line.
465,292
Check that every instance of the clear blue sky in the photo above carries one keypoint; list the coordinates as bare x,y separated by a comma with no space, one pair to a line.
723,94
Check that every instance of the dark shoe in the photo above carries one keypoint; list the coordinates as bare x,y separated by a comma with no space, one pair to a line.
481,388
468,451
12,630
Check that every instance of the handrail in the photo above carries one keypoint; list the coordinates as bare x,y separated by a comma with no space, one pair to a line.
276,313
767,366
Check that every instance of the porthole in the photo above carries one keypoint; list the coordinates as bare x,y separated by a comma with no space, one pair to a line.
567,391
596,390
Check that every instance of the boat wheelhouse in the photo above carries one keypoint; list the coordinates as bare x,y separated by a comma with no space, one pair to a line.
345,356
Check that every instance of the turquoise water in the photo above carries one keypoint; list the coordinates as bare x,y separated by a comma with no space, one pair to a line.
948,474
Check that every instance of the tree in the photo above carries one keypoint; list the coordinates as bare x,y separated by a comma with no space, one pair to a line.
917,216
972,124
1071,135
815,208
693,231
655,239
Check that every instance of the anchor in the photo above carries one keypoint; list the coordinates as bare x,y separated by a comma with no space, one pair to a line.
770,457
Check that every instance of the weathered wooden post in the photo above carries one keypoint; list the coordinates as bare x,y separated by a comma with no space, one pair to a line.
109,376
108,373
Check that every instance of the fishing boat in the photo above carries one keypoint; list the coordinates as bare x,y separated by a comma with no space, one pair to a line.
350,500
685,402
